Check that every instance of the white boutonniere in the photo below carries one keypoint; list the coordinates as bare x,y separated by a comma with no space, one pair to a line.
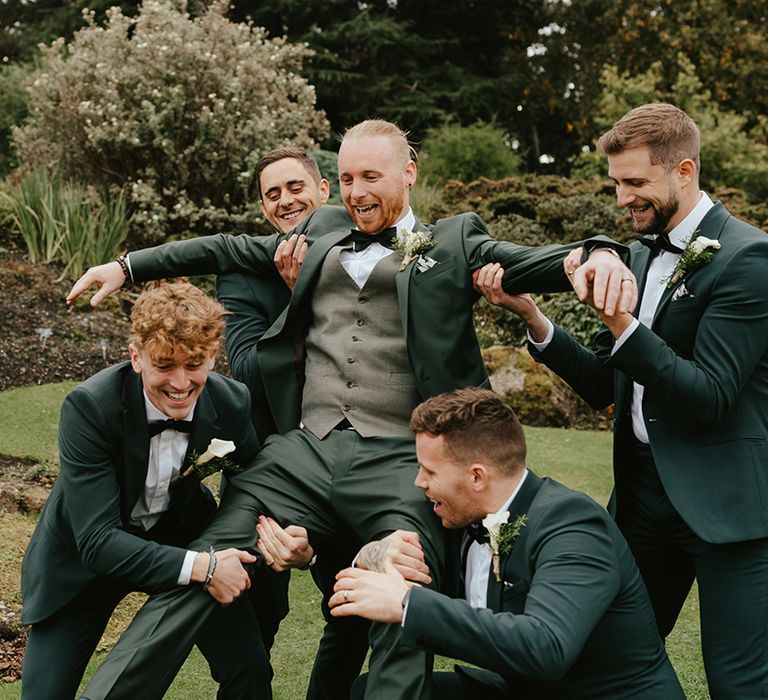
213,460
698,251
411,244
502,535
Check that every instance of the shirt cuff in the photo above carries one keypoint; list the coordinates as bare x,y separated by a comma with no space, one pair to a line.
406,603
629,330
547,340
128,263
186,568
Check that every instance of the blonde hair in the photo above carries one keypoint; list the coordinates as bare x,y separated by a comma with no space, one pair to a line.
669,134
175,316
380,127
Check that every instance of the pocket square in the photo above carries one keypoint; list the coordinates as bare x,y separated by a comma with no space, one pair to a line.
424,263
680,292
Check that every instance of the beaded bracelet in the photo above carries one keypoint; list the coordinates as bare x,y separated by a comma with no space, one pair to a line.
211,570
124,267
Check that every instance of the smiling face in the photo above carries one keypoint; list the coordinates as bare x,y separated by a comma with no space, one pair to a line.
452,487
289,193
374,182
650,192
173,380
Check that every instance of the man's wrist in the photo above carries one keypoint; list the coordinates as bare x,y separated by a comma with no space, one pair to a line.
309,564
122,260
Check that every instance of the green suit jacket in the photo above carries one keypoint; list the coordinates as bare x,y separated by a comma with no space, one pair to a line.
104,451
435,305
253,303
570,618
704,366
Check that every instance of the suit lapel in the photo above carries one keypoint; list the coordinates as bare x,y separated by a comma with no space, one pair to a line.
519,507
711,226
310,271
135,443
403,283
206,427
281,350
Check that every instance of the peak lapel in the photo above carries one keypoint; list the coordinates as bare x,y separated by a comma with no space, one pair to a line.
206,427
403,283
711,226
519,507
135,444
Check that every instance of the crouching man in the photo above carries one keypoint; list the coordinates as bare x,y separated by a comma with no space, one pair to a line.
132,442
545,596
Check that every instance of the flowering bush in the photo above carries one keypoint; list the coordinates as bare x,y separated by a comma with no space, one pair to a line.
174,111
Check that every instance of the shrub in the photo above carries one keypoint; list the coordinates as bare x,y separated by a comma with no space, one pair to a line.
171,110
465,153
13,109
65,222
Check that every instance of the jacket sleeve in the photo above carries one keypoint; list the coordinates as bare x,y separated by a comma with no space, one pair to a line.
206,255
92,496
526,268
584,370
575,580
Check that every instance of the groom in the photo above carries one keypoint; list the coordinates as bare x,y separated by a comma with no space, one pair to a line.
121,514
368,334
558,613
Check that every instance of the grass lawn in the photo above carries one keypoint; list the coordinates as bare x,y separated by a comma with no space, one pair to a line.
579,459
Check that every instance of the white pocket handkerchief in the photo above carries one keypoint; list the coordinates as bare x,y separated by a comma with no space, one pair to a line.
680,292
424,263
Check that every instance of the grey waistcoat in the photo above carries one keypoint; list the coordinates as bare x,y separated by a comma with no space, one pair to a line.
357,363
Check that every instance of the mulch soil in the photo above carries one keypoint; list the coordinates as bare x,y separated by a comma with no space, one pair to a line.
43,341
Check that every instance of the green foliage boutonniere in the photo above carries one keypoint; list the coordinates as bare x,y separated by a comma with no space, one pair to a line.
502,535
698,252
213,460
411,244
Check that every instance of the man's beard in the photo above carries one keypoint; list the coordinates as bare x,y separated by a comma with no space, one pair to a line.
662,215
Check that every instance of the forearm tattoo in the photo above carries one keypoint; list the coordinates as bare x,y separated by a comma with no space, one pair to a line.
372,556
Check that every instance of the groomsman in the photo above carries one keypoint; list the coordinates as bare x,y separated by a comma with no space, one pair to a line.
546,600
688,375
290,188
121,512
375,324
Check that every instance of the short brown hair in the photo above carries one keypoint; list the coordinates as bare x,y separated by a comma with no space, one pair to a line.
476,425
668,132
174,316
380,127
276,154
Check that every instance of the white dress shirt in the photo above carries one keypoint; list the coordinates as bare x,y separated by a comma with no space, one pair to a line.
360,264
479,557
166,454
659,270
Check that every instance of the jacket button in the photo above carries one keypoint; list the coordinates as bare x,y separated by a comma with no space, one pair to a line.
360,322
350,360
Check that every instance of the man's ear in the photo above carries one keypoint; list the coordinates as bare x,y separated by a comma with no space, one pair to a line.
410,174
325,191
479,476
687,172
135,358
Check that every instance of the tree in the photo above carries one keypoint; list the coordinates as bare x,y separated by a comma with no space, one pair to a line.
173,110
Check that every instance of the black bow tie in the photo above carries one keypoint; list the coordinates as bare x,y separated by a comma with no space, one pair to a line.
658,243
360,240
478,533
157,426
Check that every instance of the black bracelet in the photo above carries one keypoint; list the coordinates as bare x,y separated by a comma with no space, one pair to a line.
211,570
122,261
